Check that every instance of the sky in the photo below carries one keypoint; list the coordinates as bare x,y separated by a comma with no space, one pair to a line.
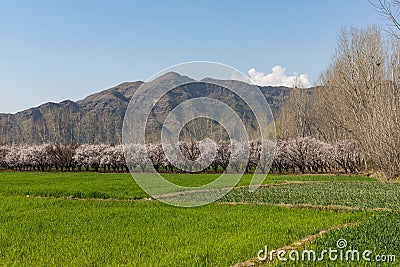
68,49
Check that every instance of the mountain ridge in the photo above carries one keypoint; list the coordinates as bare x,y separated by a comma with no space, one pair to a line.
97,118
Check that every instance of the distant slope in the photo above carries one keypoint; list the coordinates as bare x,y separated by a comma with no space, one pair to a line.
99,117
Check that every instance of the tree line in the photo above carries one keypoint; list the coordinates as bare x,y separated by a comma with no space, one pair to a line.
304,155
357,98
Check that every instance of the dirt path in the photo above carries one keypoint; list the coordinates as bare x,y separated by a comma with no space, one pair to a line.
168,195
194,191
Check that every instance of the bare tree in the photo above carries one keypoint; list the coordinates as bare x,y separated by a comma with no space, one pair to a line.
360,97
294,119
390,10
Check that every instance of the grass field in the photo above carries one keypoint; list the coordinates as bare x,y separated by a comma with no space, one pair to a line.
43,232
108,222
353,194
378,234
120,186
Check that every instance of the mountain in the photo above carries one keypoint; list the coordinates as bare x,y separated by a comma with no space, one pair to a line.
99,117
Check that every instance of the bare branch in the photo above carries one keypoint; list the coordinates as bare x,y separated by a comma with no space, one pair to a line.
389,10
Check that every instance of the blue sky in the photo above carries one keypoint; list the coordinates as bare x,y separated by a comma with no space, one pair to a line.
57,50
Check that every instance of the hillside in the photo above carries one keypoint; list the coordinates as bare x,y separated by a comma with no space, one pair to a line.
99,117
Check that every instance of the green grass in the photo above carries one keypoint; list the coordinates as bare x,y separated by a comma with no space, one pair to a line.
350,194
202,179
320,177
80,185
120,186
92,231
379,234
46,232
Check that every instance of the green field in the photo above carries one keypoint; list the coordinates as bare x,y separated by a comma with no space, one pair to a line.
120,186
378,234
82,219
361,195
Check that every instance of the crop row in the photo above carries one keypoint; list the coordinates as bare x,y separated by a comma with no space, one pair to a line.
351,194
375,237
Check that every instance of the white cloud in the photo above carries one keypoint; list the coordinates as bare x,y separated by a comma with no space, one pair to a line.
278,77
